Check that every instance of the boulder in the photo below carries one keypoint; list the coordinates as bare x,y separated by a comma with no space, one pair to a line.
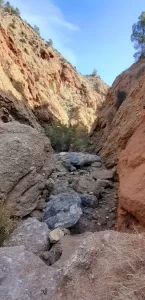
103,174
24,276
37,214
63,210
85,184
32,234
97,164
56,234
78,159
88,200
50,257
106,265
26,163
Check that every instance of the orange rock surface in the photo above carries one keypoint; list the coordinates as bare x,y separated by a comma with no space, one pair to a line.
43,86
131,169
113,129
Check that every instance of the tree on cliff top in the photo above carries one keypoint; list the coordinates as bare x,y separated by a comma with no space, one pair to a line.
138,36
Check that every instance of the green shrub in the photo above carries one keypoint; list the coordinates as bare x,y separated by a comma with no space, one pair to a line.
64,138
36,29
94,73
9,8
6,224
121,96
50,42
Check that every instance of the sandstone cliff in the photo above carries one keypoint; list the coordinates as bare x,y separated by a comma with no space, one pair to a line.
131,171
120,138
43,86
113,128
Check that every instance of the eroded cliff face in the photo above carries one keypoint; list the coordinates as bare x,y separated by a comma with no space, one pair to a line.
43,86
120,138
114,127
131,169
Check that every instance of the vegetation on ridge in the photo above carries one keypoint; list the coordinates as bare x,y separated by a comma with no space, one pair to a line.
138,36
9,8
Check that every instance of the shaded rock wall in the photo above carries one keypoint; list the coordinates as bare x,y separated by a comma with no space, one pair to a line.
113,128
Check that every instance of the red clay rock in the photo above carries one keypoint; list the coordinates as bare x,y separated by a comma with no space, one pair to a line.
131,171
114,128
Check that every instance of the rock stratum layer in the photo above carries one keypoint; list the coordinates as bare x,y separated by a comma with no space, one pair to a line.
39,84
26,163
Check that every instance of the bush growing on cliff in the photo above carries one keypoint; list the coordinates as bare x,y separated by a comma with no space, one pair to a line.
9,8
50,42
6,224
36,29
94,73
64,138
138,36
121,96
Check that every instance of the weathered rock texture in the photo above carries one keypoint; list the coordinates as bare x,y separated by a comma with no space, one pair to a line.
78,159
105,265
113,127
32,234
43,86
119,135
24,276
25,165
63,210
131,171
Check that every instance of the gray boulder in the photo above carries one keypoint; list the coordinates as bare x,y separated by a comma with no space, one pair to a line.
90,266
25,164
24,276
103,174
32,234
78,159
63,210
52,256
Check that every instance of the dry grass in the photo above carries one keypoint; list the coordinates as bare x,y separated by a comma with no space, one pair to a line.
6,223
125,274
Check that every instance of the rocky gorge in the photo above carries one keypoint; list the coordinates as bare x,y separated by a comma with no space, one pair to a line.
78,217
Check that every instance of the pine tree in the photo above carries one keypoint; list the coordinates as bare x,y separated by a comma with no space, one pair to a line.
138,36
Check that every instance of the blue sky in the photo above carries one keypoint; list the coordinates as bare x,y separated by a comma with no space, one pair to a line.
89,33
